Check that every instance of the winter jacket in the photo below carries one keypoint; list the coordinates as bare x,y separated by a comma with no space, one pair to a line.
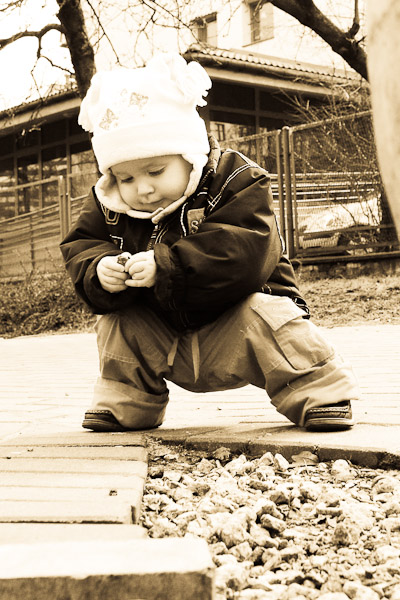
220,246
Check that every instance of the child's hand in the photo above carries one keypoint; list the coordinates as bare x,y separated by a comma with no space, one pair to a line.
111,273
142,268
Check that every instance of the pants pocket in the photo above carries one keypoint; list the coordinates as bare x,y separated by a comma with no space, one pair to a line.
298,339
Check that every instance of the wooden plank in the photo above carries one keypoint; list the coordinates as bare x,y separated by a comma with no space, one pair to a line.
57,494
107,511
120,453
79,466
73,480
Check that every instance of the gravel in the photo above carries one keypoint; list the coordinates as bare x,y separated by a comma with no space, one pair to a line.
278,529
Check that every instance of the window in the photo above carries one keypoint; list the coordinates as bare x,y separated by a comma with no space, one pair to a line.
53,164
53,132
83,169
7,194
205,29
261,21
6,145
226,125
28,172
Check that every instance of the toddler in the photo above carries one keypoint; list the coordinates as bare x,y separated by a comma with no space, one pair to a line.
177,249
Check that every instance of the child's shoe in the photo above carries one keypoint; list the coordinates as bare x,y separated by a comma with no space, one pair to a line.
101,421
329,418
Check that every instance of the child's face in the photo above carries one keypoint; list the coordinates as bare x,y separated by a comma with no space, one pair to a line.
149,183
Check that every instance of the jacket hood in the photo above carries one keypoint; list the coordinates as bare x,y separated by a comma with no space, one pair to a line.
108,194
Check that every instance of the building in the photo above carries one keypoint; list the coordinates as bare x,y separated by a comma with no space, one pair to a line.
252,93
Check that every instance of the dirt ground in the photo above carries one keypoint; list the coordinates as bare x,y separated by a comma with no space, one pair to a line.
357,301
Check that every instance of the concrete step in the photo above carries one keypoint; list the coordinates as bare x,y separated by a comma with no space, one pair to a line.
73,478
135,569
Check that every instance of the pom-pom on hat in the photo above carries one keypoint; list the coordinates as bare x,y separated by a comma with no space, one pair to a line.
148,111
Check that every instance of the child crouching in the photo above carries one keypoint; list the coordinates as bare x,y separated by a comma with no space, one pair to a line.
177,248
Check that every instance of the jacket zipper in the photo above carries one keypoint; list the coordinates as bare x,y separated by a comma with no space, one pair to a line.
153,237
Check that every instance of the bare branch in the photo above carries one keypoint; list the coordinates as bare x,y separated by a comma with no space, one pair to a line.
36,34
307,13
151,4
355,28
103,30
53,64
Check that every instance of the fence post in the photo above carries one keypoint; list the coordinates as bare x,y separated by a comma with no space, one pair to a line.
64,207
287,166
279,172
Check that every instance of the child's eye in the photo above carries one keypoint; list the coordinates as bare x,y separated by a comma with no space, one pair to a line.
126,179
156,172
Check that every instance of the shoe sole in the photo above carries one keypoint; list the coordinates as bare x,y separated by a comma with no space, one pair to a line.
323,424
101,426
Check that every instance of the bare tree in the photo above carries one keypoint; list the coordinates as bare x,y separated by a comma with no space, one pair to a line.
81,50
72,25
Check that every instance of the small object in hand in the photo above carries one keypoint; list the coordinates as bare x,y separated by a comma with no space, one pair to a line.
122,260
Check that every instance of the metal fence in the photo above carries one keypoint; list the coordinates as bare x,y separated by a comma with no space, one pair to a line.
327,188
327,191
338,199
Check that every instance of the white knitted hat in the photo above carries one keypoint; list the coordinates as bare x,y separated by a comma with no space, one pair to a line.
149,111
145,112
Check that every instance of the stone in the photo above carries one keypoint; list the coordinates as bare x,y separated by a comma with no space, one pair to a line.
271,558
266,459
346,533
280,495
333,596
231,575
233,533
341,470
395,592
237,465
254,594
280,462
204,466
383,553
309,490
290,552
242,551
357,591
384,485
264,506
259,536
272,523
390,524
305,458
391,508
222,453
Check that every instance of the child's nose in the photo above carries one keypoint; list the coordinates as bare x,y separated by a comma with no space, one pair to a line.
144,187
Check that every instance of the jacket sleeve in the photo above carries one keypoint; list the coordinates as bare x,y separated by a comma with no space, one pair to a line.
233,253
82,249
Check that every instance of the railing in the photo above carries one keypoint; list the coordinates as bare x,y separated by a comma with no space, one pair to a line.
31,241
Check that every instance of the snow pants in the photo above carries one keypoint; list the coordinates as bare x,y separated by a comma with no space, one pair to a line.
263,341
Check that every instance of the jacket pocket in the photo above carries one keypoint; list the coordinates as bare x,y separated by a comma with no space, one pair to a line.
298,339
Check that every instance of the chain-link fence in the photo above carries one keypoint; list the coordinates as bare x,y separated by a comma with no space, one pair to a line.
327,187
339,202
265,150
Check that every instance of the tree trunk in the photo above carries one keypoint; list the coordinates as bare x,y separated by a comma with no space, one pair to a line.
341,42
383,62
80,48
